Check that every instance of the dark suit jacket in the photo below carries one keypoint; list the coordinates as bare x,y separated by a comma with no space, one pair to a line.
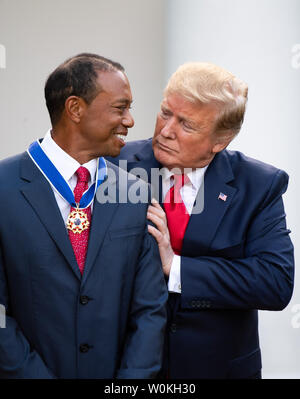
237,257
107,323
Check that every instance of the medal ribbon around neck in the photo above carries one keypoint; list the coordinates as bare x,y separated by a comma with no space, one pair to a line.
50,172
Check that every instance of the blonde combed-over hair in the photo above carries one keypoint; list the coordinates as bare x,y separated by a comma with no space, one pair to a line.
204,83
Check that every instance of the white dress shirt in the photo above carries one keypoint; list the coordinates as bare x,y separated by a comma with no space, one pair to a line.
67,166
188,193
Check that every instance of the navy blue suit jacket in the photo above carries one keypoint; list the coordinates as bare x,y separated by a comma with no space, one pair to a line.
107,323
237,257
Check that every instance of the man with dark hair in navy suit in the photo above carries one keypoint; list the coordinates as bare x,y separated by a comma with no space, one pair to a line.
80,280
219,223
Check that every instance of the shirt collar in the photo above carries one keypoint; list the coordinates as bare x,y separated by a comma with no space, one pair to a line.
195,176
64,163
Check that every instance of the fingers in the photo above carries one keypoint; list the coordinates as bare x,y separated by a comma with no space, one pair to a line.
158,220
156,205
165,249
155,233
156,209
161,233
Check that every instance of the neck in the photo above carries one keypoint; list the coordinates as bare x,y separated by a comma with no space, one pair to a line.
67,141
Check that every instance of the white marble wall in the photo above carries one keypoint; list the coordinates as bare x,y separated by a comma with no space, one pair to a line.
37,35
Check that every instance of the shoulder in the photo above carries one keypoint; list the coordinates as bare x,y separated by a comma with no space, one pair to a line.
131,193
255,173
10,167
132,148
242,164
136,146
124,179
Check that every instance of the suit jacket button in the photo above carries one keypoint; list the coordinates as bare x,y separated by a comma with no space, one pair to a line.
193,304
84,348
84,300
173,328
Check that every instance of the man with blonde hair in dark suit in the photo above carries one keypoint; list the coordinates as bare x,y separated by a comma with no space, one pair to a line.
220,226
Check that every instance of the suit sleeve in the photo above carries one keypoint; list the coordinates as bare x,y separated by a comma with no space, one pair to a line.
17,358
142,356
262,279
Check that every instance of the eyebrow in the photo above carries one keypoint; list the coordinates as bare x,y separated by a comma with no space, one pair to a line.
181,117
194,125
123,101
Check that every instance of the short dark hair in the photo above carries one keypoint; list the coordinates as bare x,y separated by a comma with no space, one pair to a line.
77,76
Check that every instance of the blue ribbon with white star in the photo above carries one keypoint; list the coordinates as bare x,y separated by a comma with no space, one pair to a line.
56,180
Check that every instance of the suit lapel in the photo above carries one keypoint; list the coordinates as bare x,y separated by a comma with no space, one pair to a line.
203,226
39,194
101,219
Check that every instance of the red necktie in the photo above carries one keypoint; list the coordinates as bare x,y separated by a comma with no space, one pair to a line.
177,215
79,241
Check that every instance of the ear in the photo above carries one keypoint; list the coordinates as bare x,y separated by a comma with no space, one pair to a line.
221,144
219,147
74,108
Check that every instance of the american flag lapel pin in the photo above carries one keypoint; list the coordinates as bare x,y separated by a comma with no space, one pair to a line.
222,197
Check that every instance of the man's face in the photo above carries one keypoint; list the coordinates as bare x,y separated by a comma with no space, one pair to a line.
107,118
184,133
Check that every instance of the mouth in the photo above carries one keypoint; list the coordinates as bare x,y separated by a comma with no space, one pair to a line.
164,147
121,137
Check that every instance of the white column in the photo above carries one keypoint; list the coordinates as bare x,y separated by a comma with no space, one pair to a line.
2,56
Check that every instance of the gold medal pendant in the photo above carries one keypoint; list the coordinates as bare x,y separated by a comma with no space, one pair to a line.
77,221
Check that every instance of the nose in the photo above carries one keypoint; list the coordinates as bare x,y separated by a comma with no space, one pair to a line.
128,120
169,129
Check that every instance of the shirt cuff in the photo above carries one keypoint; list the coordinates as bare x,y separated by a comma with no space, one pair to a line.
174,283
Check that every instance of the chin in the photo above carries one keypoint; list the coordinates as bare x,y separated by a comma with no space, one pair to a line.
110,151
163,157
114,152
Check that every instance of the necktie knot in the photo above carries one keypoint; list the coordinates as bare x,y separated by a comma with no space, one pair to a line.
82,182
83,175
179,181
